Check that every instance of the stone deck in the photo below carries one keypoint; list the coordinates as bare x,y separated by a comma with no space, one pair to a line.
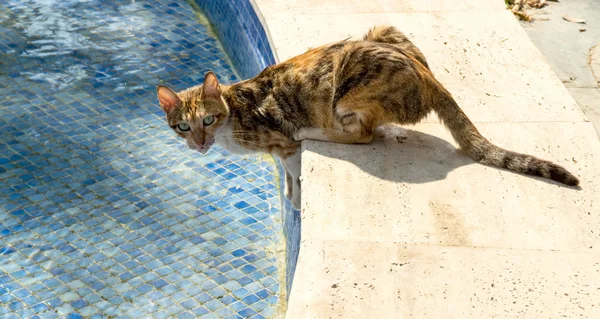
409,227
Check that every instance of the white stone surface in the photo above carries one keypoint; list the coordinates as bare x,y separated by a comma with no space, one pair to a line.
409,227
394,280
417,188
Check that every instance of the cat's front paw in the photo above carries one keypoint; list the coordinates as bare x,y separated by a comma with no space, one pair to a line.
288,191
296,201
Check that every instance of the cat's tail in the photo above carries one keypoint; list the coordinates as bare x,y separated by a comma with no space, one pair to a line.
483,151
391,35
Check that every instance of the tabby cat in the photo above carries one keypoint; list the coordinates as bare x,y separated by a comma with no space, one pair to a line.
338,93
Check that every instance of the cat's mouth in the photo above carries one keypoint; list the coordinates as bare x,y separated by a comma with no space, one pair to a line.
206,146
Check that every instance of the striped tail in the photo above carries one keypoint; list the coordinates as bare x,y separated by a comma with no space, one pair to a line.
483,151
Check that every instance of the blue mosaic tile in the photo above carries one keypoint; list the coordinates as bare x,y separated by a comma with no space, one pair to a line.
103,211
241,33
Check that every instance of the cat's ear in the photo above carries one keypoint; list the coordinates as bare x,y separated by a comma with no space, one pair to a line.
168,99
210,88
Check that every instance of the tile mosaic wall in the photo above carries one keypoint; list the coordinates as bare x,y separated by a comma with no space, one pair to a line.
241,33
244,39
103,212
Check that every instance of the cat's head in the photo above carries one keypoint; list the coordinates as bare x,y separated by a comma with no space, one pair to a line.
197,113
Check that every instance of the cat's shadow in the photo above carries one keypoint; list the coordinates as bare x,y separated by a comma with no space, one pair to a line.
400,155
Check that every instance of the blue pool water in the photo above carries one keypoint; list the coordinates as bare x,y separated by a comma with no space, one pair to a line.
103,212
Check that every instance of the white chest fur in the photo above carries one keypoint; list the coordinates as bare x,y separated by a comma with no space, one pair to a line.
225,138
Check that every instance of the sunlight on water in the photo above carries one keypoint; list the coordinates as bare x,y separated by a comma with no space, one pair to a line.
56,30
60,80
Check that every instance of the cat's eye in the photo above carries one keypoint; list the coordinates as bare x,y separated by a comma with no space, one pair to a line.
183,127
208,120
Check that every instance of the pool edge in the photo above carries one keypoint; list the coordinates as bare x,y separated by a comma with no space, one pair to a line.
242,31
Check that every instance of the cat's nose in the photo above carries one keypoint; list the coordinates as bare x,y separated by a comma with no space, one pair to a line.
199,137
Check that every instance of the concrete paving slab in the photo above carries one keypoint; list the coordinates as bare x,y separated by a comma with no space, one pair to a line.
589,101
573,55
394,280
566,48
414,187
481,64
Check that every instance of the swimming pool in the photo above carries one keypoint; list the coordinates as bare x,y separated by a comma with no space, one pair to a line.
103,212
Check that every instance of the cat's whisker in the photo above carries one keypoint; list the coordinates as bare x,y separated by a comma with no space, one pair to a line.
236,140
242,132
241,138
233,146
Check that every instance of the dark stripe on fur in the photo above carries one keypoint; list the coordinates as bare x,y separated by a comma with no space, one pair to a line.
483,151
391,35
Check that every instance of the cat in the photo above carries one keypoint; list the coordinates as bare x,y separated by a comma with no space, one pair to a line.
338,93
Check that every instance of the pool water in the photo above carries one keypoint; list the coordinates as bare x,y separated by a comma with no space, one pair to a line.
104,213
